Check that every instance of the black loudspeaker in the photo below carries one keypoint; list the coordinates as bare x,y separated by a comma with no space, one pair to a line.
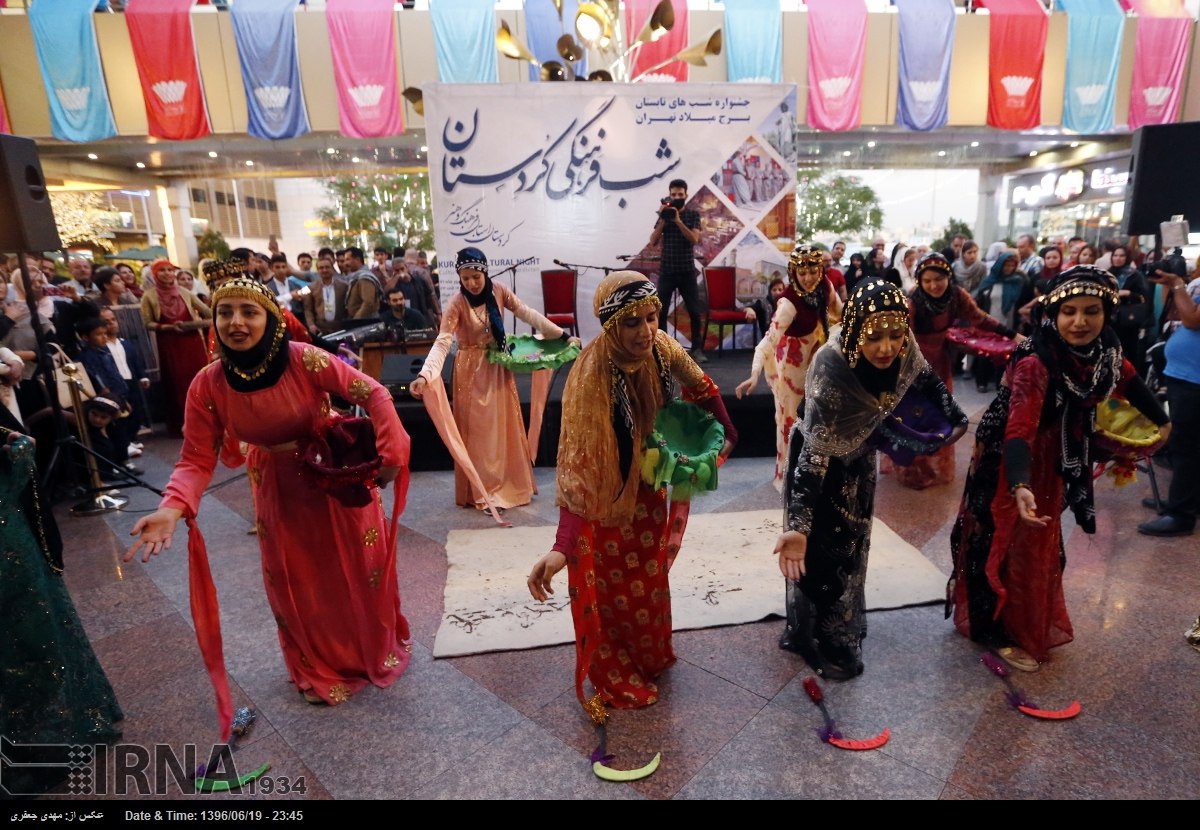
1164,177
26,217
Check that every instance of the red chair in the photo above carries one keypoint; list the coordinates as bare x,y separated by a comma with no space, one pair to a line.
558,299
722,303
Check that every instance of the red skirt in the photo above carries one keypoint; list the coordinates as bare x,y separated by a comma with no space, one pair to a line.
621,604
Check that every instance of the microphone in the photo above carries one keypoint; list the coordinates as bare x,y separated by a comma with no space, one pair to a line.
560,263
625,258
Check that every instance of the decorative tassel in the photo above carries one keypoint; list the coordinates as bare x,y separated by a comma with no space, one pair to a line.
1017,699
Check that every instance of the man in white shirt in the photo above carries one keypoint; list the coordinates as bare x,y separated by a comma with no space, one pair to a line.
325,305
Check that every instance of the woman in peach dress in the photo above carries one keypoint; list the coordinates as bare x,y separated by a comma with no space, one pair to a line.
487,411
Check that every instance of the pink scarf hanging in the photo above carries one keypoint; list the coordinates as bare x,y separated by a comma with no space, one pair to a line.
651,54
362,37
1015,58
837,46
164,49
1161,57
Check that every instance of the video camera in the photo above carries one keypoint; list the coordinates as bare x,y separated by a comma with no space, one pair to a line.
669,209
1172,263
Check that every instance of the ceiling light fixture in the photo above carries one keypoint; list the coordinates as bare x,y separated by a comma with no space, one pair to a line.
942,153
974,143
249,163
93,156
354,160
871,144
1032,153
212,154
141,165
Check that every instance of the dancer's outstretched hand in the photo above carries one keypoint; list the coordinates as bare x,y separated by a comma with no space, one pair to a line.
155,532
792,547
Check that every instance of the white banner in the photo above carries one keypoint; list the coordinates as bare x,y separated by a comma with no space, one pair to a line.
575,172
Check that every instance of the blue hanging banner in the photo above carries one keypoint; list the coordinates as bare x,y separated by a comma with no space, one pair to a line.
65,39
1094,30
546,25
926,46
265,33
464,36
754,41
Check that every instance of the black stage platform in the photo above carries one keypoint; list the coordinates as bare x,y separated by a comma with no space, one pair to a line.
754,415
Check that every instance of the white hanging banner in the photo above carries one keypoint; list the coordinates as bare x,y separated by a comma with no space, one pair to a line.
576,173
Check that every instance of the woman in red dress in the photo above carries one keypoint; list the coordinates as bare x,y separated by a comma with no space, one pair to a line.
1031,463
934,306
328,565
615,533
177,317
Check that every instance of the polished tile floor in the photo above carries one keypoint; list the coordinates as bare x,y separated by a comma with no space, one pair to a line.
733,722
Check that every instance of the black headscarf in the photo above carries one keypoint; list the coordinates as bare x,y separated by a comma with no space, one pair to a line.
264,363
475,258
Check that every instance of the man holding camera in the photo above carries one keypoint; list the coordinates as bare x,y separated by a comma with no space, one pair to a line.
679,230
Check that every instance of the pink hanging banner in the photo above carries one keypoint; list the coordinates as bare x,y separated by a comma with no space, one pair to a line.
837,45
1015,56
652,60
165,52
4,128
1164,31
362,37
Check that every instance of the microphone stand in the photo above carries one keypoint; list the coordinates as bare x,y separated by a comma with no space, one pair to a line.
513,270
607,269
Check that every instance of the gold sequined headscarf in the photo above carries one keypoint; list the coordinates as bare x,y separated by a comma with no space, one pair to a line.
264,363
591,480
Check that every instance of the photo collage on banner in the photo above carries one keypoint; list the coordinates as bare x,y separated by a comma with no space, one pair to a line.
578,173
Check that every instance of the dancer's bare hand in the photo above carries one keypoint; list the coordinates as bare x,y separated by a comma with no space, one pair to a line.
417,388
154,532
747,386
543,572
791,547
1027,508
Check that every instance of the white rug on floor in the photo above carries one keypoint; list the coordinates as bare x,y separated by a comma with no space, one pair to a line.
725,574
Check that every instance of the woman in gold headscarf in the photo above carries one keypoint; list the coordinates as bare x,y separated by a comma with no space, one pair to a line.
329,562
616,536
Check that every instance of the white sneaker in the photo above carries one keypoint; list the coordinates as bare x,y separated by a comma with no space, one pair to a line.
134,450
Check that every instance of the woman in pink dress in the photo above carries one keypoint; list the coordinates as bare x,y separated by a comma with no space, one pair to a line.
487,411
800,325
329,567
177,317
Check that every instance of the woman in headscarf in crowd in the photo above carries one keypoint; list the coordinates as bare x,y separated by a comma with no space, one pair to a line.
486,409
1135,312
799,327
969,270
854,271
1015,291
328,558
904,259
55,691
17,333
177,317
857,379
126,275
1030,464
933,307
616,536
